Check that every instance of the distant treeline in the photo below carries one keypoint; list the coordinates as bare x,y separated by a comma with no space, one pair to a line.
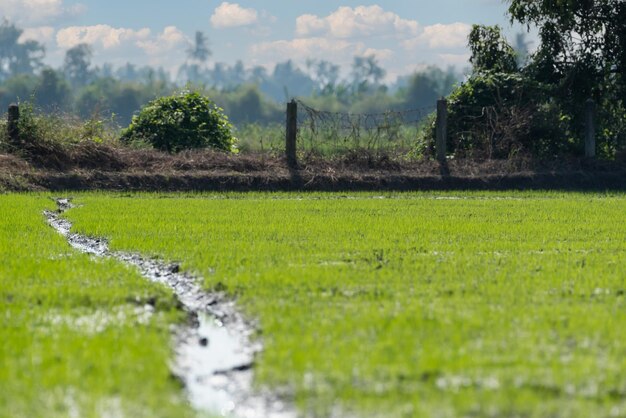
248,95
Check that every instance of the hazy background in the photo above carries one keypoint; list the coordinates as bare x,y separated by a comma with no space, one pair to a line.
403,35
93,56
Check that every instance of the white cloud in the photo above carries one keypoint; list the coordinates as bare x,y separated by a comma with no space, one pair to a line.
361,21
103,36
33,12
399,44
299,50
41,34
230,15
441,36
171,38
380,54
118,46
459,60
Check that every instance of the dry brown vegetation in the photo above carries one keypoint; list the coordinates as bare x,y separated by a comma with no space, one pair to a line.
92,165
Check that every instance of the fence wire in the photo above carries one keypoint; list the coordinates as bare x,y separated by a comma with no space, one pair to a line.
329,133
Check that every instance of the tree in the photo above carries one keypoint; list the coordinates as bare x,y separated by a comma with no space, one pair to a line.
52,92
292,81
325,74
366,74
582,40
17,88
77,65
198,54
425,87
490,50
18,57
499,111
582,54
200,50
259,74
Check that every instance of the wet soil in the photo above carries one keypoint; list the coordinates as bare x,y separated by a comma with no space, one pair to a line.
214,351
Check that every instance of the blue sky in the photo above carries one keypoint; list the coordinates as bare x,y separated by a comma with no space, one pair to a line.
403,35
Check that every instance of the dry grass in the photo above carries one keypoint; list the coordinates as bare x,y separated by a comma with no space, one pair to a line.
114,157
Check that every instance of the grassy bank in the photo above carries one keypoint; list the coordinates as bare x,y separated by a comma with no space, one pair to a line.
429,305
80,337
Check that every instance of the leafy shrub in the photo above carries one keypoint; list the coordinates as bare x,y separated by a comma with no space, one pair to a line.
60,141
180,122
62,129
500,115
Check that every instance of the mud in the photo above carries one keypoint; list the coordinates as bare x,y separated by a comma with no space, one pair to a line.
215,351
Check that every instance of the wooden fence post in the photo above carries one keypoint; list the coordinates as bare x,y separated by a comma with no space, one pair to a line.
13,124
292,133
442,129
590,129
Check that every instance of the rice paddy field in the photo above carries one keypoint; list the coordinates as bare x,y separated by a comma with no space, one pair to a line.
77,336
368,305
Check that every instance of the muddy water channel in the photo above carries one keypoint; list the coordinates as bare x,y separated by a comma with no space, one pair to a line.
214,351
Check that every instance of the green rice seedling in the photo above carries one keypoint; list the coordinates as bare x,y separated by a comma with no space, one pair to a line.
408,305
79,336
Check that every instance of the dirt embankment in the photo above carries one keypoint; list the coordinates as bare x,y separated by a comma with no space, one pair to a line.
98,167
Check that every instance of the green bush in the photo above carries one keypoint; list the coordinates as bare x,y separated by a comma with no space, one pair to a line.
62,129
185,121
499,115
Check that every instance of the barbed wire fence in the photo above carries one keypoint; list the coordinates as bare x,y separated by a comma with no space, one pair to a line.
334,133
473,131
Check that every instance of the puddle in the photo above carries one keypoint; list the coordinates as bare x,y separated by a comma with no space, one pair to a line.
97,322
214,353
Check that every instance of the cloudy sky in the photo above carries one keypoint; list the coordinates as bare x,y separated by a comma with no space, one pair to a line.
403,35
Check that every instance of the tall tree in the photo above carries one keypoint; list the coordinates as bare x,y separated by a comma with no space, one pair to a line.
325,74
582,42
77,65
291,80
200,50
198,53
18,57
366,74
490,50
52,92
582,54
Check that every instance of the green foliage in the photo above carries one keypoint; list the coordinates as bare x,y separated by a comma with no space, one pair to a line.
58,132
106,96
502,111
17,57
185,121
16,88
52,91
77,63
246,104
582,55
425,88
490,50
262,138
500,115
